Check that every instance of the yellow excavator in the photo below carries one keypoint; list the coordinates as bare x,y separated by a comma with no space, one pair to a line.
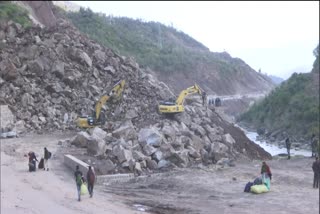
98,118
173,107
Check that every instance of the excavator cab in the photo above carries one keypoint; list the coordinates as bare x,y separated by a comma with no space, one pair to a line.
169,102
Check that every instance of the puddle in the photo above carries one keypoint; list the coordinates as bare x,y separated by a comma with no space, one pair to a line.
140,207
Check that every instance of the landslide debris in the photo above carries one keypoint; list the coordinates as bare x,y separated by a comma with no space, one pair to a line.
50,76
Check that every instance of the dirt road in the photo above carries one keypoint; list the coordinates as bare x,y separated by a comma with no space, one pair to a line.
204,190
46,192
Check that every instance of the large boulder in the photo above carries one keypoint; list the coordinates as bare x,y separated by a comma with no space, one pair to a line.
198,130
125,131
98,133
97,144
81,139
121,153
80,56
105,166
150,136
149,150
36,67
228,139
8,71
151,164
138,156
58,69
169,132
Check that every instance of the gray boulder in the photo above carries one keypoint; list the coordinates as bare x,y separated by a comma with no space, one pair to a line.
150,136
81,139
126,131
149,150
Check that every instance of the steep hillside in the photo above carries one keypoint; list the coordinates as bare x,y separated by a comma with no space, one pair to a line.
175,57
293,107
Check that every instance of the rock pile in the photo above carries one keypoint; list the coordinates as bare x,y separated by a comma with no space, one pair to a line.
50,76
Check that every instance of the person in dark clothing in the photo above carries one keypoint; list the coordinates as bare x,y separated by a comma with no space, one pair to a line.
288,145
204,98
91,177
32,156
47,156
265,170
314,145
32,161
316,173
78,177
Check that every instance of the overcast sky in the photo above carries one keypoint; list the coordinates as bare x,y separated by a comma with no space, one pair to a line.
277,36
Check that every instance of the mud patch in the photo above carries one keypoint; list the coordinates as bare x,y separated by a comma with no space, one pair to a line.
158,208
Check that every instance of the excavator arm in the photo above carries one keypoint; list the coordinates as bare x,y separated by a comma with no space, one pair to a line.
115,92
173,108
191,90
96,119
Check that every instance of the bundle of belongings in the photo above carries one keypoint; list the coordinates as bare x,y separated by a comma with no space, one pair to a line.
260,185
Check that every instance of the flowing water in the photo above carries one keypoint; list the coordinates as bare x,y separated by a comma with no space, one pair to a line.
274,149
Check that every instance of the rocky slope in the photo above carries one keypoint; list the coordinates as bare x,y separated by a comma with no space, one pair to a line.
50,76
173,56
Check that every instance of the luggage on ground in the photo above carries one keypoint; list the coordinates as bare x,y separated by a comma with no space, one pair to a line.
32,166
261,188
257,181
41,164
248,186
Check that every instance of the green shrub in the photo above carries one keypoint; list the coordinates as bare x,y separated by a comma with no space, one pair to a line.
10,11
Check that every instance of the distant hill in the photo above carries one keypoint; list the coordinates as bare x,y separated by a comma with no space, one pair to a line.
292,107
275,79
173,56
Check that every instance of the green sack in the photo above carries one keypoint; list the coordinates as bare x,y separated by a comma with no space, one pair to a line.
267,183
261,188
83,189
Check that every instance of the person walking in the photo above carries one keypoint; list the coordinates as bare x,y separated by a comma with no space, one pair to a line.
316,172
78,177
314,145
47,156
288,145
91,177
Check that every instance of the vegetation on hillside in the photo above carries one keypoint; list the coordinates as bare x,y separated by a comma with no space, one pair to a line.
10,11
293,106
152,43
160,47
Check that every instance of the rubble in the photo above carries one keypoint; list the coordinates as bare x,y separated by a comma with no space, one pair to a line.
59,74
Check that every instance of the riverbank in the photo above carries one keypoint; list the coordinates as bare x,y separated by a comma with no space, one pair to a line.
276,148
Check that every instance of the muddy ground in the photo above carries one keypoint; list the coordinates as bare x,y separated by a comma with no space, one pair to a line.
202,190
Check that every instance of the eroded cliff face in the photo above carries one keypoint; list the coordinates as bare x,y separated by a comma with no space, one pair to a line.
40,12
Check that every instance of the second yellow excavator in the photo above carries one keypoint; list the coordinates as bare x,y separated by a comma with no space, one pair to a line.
98,118
173,107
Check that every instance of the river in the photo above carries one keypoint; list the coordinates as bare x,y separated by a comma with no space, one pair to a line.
273,149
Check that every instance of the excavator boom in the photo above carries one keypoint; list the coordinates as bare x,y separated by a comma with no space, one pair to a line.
89,122
172,108
116,92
